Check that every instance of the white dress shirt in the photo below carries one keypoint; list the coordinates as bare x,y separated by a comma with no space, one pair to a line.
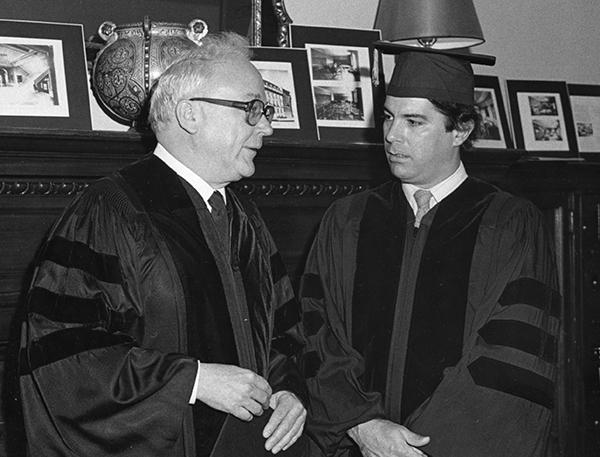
439,191
200,185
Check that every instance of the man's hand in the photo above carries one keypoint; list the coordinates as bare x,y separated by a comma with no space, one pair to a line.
383,438
233,390
286,423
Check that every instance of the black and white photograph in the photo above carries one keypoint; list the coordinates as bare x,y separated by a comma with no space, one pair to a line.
32,78
338,104
299,228
543,105
494,131
542,117
286,76
279,88
546,129
544,121
341,86
585,103
345,99
43,76
485,104
584,129
335,63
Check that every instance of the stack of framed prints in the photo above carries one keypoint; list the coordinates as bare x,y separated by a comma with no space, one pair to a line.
43,76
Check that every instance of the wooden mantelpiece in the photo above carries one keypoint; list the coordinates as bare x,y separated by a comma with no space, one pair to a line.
42,170
33,153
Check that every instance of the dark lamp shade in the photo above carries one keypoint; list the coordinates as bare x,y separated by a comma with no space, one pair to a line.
446,24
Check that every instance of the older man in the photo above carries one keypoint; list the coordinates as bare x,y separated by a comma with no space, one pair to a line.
430,302
159,303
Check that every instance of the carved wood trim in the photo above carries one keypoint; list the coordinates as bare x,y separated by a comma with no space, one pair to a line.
298,189
38,187
283,23
256,23
41,188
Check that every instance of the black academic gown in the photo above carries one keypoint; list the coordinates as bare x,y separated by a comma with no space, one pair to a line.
132,286
450,329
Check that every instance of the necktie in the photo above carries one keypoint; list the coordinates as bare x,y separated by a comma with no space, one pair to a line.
422,197
219,215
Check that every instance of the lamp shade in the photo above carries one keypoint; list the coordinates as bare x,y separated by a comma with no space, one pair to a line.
440,24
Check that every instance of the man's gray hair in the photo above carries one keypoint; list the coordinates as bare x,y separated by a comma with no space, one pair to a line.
193,71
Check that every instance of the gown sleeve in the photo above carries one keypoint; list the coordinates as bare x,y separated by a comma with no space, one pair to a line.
499,399
331,365
88,385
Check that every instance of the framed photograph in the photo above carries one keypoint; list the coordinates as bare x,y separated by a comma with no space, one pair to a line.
585,103
494,123
43,76
542,117
287,85
347,105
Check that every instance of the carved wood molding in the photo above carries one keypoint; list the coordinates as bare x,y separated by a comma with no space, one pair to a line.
283,23
296,189
41,187
256,23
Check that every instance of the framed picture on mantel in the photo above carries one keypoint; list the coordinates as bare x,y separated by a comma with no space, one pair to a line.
43,76
347,104
585,102
542,117
287,86
494,123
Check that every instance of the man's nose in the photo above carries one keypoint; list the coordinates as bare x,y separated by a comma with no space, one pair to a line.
394,133
264,126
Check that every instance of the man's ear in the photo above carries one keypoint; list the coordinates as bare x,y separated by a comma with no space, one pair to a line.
187,117
462,132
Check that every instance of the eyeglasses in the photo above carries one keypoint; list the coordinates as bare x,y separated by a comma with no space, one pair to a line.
254,108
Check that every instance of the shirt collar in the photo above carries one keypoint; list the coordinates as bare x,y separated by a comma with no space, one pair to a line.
439,191
200,185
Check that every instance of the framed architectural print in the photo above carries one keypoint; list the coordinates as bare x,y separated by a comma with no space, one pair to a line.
542,117
585,103
347,104
494,131
287,86
43,76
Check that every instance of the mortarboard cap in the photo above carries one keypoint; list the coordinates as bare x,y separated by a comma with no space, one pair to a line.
441,74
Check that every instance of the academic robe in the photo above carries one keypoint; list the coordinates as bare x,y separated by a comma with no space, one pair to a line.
450,329
132,287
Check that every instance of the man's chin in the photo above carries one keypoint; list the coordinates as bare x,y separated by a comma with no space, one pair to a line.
397,169
247,170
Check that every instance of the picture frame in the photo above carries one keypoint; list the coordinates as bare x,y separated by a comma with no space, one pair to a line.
287,86
494,122
542,117
44,80
347,104
585,104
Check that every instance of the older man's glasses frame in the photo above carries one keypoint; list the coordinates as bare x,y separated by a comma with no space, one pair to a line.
254,108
